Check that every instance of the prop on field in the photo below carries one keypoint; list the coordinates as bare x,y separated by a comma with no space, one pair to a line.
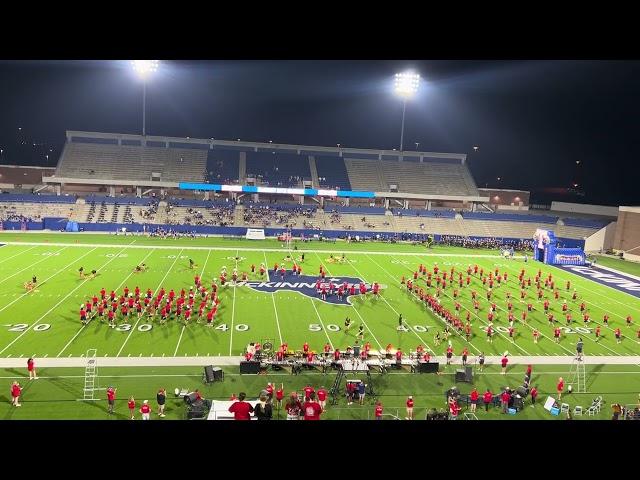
546,250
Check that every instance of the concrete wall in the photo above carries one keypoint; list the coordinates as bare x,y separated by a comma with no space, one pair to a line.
602,239
627,237
584,208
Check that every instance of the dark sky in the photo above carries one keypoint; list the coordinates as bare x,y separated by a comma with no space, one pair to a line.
531,119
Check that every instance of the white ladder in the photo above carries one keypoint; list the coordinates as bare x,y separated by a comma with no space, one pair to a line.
90,376
578,375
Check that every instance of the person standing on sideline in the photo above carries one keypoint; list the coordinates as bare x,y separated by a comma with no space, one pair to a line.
145,410
361,392
474,399
111,398
410,408
16,391
132,406
311,408
263,409
505,398
400,321
161,398
534,395
322,397
379,410
241,409
481,361
293,407
487,398
504,362
560,387
32,369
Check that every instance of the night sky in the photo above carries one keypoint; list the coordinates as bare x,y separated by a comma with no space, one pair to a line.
532,120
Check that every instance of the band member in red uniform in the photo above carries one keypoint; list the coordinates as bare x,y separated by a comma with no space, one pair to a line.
410,408
618,335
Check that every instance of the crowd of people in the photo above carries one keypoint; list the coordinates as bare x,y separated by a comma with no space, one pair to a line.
266,215
488,242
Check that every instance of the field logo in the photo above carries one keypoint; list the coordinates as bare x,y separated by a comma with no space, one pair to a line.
615,280
306,285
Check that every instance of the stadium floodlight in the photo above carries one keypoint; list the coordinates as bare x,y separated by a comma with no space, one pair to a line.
406,86
144,69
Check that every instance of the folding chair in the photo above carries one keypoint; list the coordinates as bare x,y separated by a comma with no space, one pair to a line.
564,408
577,410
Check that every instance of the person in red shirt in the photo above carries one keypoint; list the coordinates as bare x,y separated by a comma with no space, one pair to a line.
322,397
487,398
629,320
505,398
111,398
618,335
534,395
410,408
241,410
504,362
560,387
379,410
145,410
597,333
311,408
280,396
474,399
31,367
83,315
132,406
556,335
308,390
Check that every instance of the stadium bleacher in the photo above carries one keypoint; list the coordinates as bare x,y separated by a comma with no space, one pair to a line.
278,169
429,177
509,217
114,162
223,166
332,173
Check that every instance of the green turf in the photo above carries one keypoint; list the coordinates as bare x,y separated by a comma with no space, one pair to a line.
54,395
622,265
45,322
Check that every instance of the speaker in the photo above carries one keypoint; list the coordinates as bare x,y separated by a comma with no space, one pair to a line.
190,398
428,367
250,368
196,410
212,374
465,375
523,392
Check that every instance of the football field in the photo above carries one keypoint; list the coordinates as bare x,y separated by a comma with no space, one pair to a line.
45,322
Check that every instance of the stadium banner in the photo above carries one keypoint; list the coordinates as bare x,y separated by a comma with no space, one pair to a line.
273,190
255,234
617,280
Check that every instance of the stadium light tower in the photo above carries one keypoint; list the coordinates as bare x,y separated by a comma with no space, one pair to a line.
144,69
406,86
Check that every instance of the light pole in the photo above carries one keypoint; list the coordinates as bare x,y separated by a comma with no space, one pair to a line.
406,85
144,69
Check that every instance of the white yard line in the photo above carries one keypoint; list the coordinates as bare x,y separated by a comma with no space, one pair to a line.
273,299
116,289
184,326
515,270
31,265
357,312
233,307
60,302
49,278
422,340
313,303
157,288
17,254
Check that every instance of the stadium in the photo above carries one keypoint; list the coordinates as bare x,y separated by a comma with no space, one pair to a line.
322,282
